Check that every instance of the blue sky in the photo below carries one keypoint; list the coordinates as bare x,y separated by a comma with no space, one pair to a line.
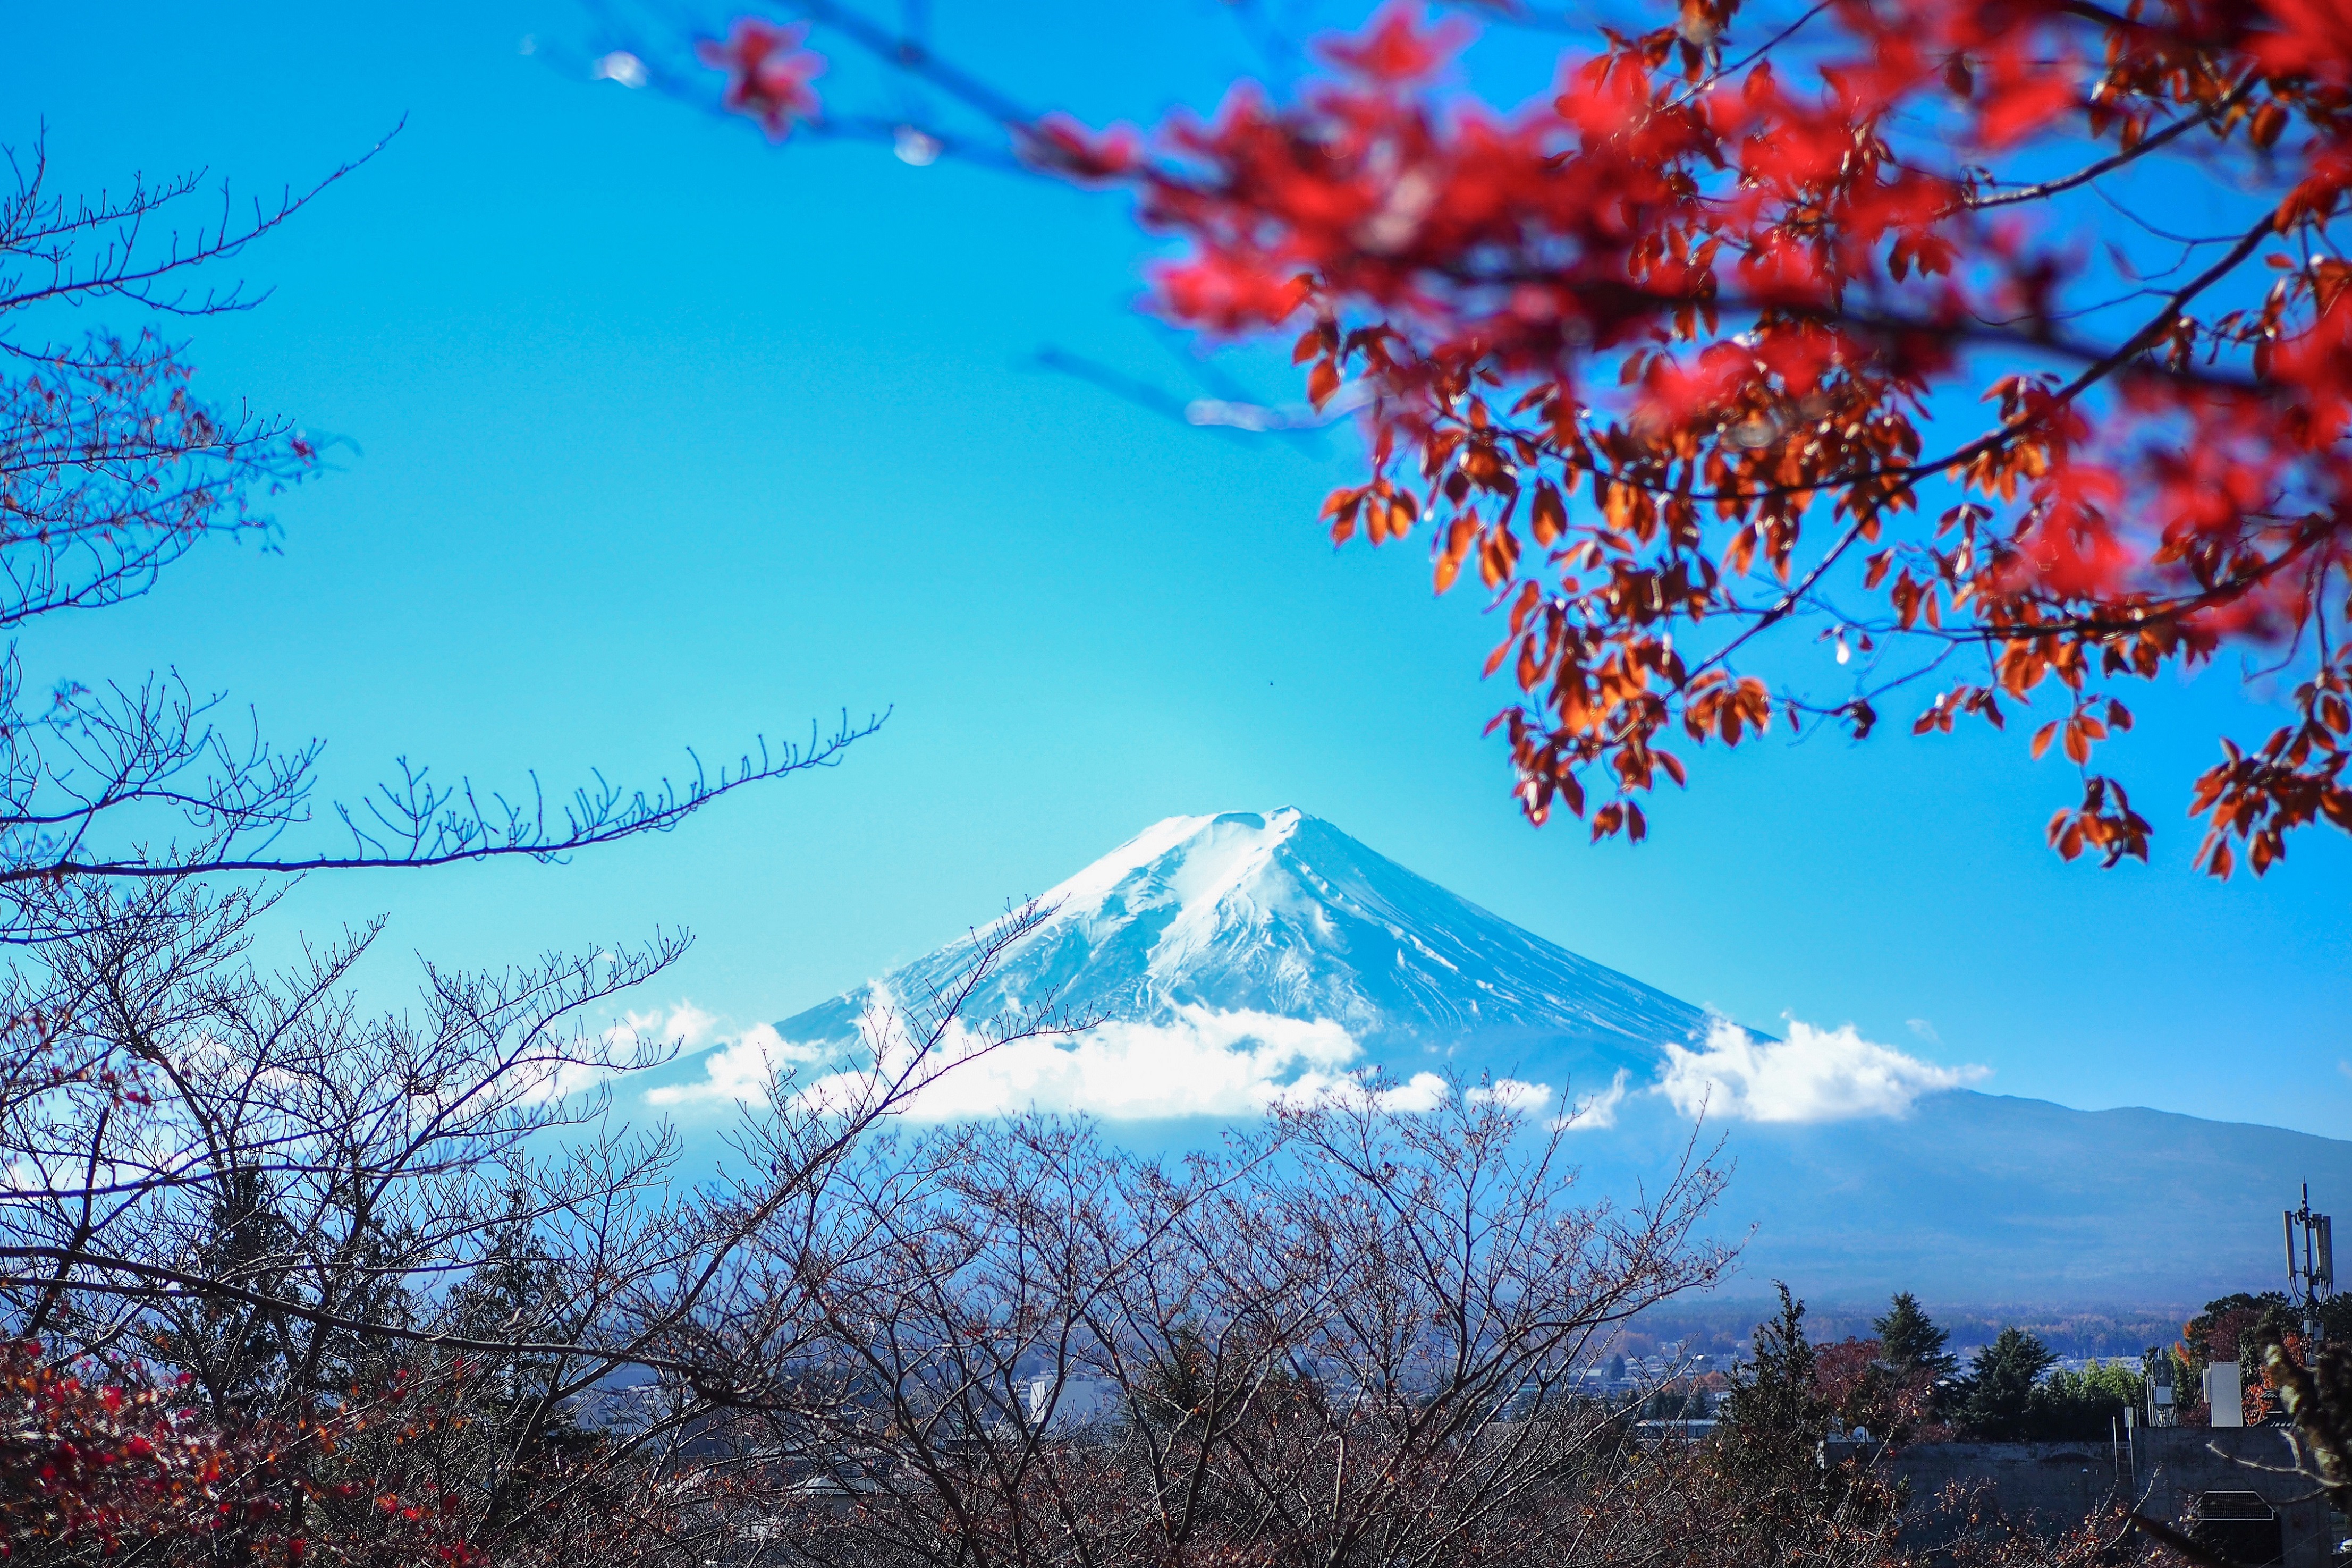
658,436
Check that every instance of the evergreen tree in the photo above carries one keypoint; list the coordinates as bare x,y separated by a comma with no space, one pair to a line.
1910,1341
515,1291
1998,1398
237,1353
1775,1419
1787,1502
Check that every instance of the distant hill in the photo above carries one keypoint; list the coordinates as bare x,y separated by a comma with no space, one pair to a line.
1723,1323
1240,957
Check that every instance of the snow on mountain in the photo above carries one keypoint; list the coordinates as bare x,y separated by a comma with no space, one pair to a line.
1238,959
1281,915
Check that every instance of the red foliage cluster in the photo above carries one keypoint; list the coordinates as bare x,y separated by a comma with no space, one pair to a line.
2263,1398
118,1462
1845,1370
1623,348
1851,1377
768,74
1780,290
2241,1329
99,1462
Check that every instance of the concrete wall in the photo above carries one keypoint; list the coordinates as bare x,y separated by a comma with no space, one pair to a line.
2161,1472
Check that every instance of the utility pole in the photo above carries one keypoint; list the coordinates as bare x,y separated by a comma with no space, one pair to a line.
2310,1268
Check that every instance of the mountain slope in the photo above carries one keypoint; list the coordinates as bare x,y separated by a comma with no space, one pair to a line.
1283,914
1239,957
1982,1198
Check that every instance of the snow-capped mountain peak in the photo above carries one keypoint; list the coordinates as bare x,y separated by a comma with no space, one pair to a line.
1206,870
1280,913
1246,959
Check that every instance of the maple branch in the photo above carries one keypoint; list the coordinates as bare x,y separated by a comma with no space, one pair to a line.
913,57
2157,612
1760,50
2105,365
1864,518
2148,144
2086,10
1788,600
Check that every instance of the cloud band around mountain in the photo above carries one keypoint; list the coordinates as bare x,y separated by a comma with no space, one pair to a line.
1205,1062
1201,1062
1814,1075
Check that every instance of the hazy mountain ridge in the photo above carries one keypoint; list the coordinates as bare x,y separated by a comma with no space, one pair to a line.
2012,1198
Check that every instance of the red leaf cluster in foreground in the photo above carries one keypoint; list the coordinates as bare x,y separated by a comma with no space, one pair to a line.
1657,356
118,1463
1772,280
102,1463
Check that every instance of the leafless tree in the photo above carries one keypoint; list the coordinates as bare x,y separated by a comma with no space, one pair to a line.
1352,1338
111,469
415,1250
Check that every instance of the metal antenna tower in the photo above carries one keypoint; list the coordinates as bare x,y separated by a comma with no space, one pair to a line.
2310,1266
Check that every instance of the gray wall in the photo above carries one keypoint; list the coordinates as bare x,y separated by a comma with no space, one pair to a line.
2161,1472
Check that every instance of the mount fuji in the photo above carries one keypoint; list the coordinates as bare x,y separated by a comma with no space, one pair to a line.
1281,917
1232,961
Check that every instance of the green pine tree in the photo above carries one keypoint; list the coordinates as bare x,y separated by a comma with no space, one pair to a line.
1911,1342
236,1352
1787,1499
1775,1419
1997,1399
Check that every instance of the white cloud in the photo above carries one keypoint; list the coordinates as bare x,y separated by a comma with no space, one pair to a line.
551,1082
1814,1075
1597,1111
683,1027
1924,1030
1199,1063
1422,1091
1512,1095
1229,1064
739,1069
620,65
